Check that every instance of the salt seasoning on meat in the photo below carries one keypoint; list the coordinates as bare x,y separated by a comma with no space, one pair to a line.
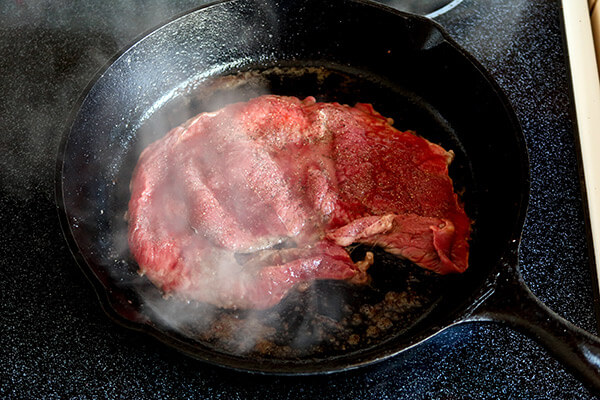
237,206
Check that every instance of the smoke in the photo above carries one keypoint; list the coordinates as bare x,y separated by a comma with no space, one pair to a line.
51,50
101,225
312,319
221,298
221,295
213,274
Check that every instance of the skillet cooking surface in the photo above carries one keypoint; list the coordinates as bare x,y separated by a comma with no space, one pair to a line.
404,65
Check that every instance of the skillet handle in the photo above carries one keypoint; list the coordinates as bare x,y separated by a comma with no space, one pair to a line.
513,304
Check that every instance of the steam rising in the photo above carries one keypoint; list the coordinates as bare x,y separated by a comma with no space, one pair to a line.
235,331
315,319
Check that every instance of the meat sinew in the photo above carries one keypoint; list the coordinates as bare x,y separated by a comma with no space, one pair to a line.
237,206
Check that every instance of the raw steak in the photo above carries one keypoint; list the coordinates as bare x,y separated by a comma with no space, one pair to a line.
237,206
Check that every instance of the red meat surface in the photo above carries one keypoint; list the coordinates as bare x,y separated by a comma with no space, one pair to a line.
237,206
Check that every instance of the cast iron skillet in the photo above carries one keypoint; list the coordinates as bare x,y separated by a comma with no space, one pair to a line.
341,50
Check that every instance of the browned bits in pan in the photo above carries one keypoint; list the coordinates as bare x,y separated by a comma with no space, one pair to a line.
325,318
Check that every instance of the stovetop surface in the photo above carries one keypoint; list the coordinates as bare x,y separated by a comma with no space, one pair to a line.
56,342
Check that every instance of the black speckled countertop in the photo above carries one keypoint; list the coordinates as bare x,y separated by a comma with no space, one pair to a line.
55,341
